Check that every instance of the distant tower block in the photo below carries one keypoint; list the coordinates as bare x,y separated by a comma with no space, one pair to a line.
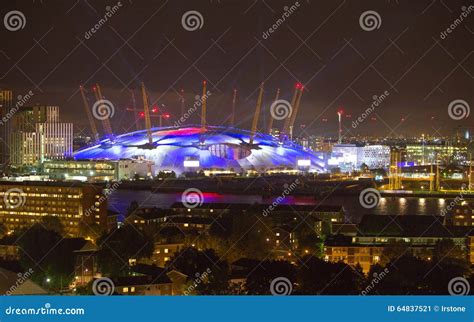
339,118
203,112
395,170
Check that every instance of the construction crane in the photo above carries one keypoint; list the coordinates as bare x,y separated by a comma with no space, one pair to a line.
292,105
270,121
295,111
147,115
105,121
95,134
256,115
203,112
232,116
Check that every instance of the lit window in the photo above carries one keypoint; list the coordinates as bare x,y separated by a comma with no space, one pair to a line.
132,289
166,251
125,290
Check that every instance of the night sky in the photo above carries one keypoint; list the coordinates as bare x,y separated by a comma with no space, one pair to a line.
321,44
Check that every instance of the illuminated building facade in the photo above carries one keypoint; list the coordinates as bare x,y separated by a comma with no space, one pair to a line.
37,135
350,157
24,204
6,103
435,153
97,171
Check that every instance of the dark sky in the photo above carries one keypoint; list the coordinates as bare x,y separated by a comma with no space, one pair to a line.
321,45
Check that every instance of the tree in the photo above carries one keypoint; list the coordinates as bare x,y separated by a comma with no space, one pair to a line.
446,249
196,264
261,277
120,245
309,242
48,255
3,230
321,277
92,230
248,237
406,275
54,224
393,250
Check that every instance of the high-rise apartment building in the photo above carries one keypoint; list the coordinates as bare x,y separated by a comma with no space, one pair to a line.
38,135
6,103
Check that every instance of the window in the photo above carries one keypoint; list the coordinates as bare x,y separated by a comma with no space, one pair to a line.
166,250
125,290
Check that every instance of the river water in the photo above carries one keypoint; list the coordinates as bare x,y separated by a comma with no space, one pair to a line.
121,199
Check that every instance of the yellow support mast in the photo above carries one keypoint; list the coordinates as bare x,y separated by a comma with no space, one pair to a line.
95,134
292,104
106,121
147,114
257,114
295,111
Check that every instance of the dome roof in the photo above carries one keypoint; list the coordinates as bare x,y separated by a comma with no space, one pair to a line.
214,147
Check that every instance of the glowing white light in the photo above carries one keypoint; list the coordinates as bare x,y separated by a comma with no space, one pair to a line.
304,163
191,163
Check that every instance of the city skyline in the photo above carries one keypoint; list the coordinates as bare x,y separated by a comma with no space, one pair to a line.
238,148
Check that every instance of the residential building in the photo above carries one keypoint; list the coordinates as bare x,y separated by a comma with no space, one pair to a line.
23,204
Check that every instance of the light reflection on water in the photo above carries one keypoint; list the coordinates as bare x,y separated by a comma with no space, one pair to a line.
121,199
